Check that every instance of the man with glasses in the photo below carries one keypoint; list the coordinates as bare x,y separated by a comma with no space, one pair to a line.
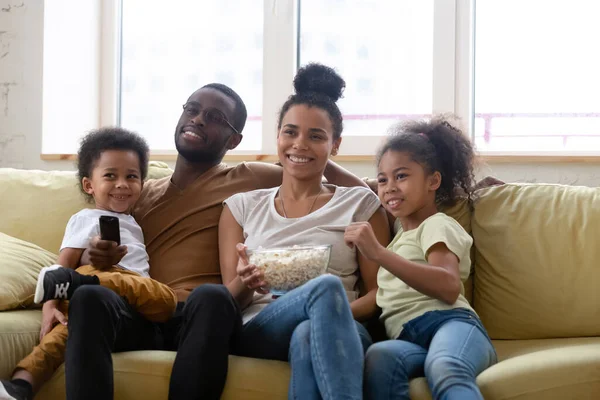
179,217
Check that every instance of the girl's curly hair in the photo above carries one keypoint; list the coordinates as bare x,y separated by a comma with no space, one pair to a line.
437,145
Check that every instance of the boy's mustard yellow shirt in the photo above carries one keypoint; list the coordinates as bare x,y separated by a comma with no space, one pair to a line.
401,303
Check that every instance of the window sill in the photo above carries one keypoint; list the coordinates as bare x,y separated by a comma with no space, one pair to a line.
539,159
488,158
229,157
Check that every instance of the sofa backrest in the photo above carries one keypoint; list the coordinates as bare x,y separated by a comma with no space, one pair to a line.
35,206
537,260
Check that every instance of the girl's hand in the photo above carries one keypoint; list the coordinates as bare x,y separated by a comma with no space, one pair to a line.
51,315
361,235
249,274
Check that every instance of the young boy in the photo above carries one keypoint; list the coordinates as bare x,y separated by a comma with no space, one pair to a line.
112,165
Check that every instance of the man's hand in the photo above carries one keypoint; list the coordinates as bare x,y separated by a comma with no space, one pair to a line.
487,182
249,274
103,254
51,316
361,235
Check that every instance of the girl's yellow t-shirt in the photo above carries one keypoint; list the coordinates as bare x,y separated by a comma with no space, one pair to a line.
401,303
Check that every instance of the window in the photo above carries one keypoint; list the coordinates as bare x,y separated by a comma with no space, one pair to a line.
170,51
71,92
537,76
382,49
522,75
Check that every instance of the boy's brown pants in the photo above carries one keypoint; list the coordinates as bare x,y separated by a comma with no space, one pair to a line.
152,299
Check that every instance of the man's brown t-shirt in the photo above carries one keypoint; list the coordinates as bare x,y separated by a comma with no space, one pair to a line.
181,226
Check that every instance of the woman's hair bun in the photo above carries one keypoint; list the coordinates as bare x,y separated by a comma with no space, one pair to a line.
319,78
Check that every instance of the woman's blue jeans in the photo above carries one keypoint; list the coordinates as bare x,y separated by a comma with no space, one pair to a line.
313,328
450,348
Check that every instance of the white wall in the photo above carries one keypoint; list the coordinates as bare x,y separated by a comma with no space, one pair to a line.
21,94
21,61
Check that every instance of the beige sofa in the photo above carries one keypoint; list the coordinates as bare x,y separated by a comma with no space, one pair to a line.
536,287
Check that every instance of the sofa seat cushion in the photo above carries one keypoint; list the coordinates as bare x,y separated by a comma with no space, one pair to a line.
19,333
145,375
536,261
528,369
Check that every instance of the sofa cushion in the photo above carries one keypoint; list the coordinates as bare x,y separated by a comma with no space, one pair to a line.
536,369
20,264
145,375
507,349
419,390
19,333
38,204
536,261
550,369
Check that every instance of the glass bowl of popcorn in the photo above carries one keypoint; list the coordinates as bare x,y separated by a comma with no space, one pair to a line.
287,268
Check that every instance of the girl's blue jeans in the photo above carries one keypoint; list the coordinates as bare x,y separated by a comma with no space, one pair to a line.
450,348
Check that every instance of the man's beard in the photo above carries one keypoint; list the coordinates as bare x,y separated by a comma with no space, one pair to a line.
199,156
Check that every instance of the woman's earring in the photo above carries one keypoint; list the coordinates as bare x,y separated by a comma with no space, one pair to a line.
334,152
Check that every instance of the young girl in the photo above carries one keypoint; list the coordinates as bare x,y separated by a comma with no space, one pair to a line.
313,326
435,331
112,165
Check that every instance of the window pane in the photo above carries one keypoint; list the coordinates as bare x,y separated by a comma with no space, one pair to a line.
170,51
384,51
536,75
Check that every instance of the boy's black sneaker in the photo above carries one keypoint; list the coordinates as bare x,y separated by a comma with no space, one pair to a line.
9,390
58,282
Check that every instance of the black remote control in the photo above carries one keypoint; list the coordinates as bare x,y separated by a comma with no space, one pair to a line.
109,229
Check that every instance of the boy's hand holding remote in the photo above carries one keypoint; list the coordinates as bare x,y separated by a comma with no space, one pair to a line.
104,254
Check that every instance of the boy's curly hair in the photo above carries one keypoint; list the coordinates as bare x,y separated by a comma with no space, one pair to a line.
110,138
437,145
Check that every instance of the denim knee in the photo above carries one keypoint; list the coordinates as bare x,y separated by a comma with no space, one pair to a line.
330,289
330,282
379,358
446,367
330,285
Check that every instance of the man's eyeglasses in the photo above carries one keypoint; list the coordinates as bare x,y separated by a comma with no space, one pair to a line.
209,115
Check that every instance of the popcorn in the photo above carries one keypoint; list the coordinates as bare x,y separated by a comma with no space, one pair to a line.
287,268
